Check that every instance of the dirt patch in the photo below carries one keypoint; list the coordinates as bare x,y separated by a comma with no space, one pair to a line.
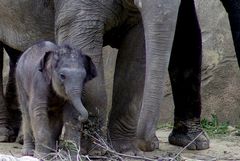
223,148
13,149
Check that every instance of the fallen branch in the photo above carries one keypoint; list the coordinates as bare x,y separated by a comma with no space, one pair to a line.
102,144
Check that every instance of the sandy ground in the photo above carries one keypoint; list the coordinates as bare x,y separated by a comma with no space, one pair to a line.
224,148
221,149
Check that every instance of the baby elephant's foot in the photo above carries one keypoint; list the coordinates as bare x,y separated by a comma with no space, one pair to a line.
185,132
148,145
127,147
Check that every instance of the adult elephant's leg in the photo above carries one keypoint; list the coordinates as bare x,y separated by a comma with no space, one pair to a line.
185,76
72,125
127,92
159,19
5,132
233,9
85,32
11,95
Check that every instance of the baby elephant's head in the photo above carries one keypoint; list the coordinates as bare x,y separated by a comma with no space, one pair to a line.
67,69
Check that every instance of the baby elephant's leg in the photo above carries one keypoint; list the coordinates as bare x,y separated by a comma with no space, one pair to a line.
56,123
44,142
28,146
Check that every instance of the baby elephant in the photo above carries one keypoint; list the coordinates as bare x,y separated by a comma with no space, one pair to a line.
50,81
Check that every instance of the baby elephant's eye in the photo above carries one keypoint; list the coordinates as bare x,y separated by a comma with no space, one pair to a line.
62,76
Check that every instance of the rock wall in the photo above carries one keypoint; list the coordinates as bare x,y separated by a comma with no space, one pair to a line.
220,73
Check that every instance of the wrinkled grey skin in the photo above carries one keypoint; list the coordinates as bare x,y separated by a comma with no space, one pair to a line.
50,81
24,23
89,25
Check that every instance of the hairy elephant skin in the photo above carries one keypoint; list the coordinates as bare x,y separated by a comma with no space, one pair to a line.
50,81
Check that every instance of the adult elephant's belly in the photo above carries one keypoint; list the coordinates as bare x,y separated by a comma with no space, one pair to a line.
24,23
22,39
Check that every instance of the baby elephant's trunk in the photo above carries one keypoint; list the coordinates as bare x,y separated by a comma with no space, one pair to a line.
77,103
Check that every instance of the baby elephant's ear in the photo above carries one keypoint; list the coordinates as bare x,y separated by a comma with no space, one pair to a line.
43,61
43,66
90,68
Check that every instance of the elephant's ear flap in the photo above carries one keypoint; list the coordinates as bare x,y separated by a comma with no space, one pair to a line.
43,66
90,68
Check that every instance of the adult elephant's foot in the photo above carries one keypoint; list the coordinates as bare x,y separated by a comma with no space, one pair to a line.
185,132
28,148
126,146
148,145
27,152
6,134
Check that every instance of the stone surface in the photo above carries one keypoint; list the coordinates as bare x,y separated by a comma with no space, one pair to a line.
220,73
221,76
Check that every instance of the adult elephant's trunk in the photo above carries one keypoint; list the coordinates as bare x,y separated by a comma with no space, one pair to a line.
159,20
77,103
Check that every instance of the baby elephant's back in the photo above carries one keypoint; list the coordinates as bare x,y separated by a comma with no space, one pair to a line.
28,64
30,59
32,56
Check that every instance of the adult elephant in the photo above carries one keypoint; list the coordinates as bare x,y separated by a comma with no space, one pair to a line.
184,67
143,32
90,25
126,25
